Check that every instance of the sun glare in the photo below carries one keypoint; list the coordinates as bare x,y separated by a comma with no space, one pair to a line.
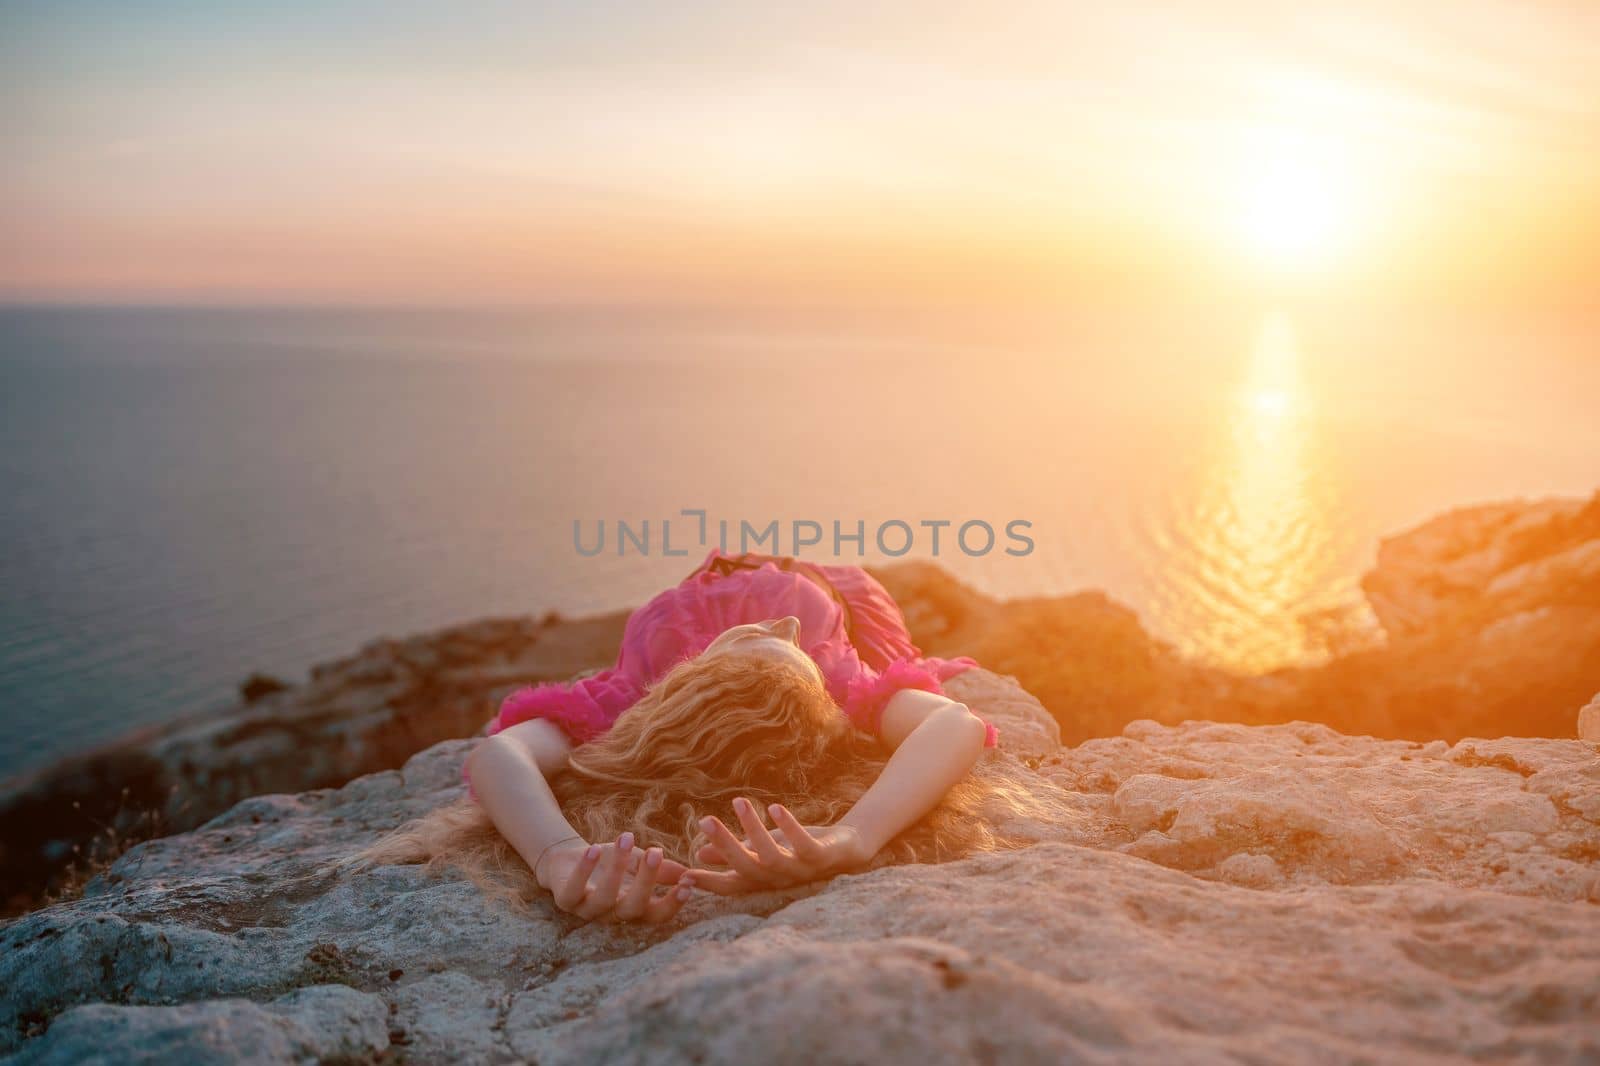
1294,209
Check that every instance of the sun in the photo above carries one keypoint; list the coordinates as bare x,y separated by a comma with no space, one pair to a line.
1294,209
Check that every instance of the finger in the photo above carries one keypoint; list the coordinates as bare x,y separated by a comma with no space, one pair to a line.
667,874
733,850
664,907
603,896
632,904
576,886
727,882
760,841
806,847
710,853
634,863
736,854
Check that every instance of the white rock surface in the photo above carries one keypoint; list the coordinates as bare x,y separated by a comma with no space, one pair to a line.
314,1024
1589,721
1272,894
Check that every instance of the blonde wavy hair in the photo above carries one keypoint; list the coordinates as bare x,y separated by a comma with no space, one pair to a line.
713,728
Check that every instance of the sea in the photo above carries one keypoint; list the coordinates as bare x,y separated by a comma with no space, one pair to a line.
190,495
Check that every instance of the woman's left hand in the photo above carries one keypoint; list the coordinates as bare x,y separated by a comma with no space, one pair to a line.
789,855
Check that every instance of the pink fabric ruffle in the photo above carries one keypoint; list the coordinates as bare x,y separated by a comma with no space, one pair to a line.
583,710
869,693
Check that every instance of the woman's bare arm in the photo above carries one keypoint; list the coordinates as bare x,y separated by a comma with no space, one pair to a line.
612,880
508,775
936,742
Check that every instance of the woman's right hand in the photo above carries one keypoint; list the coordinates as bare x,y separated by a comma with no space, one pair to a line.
614,882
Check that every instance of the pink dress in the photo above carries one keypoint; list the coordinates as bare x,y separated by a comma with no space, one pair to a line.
849,625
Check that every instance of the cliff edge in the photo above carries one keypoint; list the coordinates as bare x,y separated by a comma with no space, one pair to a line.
1491,627
1279,893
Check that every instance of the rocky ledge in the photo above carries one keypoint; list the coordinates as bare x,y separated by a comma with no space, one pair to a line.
1491,627
1277,893
369,711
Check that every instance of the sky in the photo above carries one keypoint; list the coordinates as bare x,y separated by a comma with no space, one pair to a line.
838,153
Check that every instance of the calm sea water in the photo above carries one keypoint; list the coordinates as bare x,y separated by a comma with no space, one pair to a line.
193,495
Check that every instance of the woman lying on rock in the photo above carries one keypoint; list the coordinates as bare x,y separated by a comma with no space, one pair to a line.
758,683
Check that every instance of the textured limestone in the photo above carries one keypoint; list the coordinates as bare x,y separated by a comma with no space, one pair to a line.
315,1024
1277,893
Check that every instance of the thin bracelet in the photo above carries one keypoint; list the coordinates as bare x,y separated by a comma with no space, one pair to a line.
547,847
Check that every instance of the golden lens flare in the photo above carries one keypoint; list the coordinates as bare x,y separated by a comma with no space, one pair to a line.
1295,208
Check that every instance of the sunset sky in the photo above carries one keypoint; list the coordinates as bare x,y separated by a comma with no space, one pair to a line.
758,153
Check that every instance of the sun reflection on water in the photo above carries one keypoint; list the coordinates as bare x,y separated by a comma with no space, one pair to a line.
1255,545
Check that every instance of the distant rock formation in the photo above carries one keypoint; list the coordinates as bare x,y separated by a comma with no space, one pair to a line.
1273,893
1589,721
1085,656
1492,618
1483,566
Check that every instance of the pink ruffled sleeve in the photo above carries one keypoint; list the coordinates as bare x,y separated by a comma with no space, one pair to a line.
870,690
583,709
